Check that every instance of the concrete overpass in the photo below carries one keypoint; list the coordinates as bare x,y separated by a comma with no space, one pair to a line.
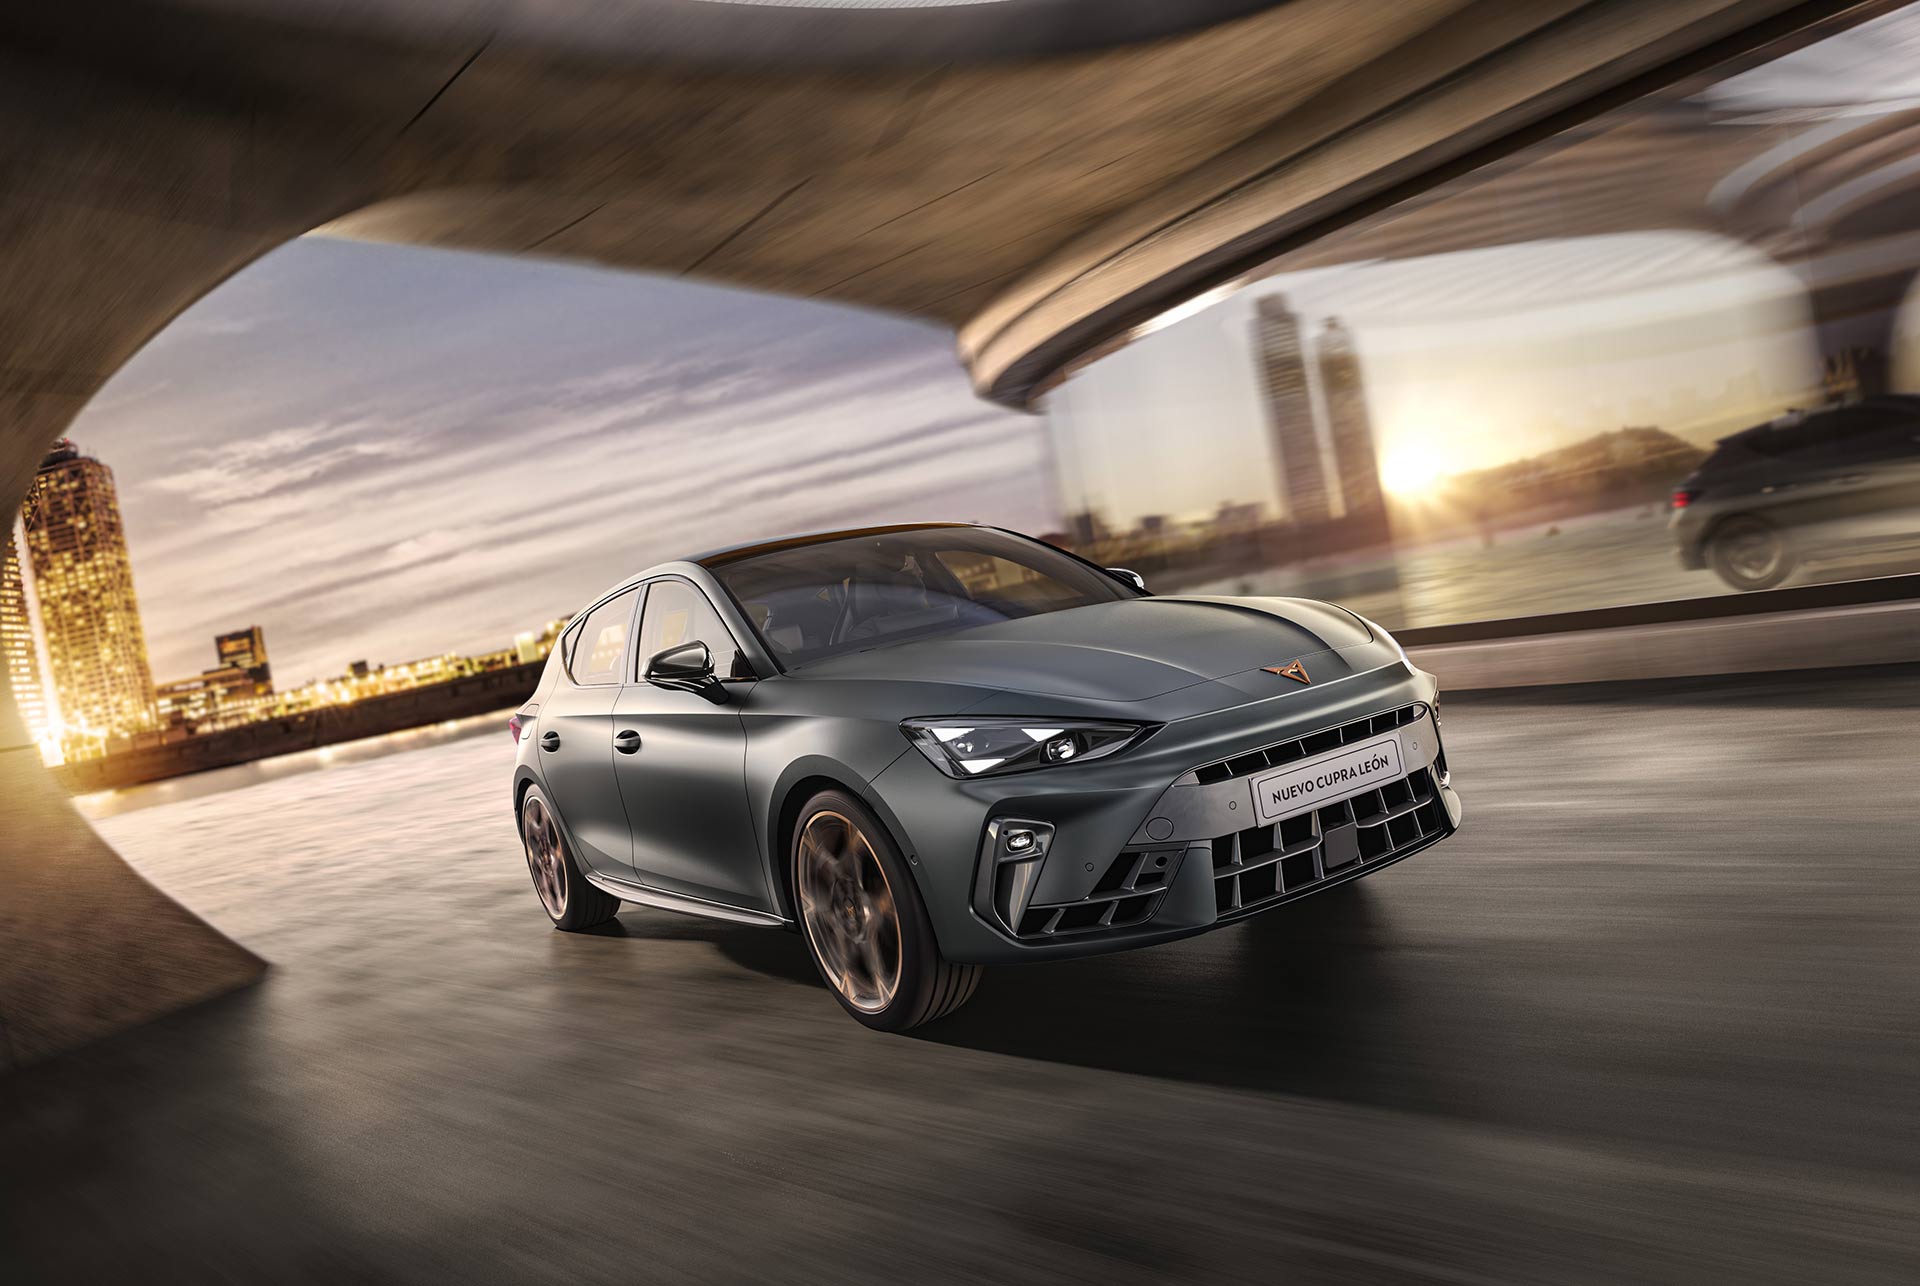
1039,174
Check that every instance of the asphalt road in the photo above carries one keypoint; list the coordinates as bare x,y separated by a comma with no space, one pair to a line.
1653,1015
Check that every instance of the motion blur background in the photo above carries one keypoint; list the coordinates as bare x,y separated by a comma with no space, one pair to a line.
1647,1016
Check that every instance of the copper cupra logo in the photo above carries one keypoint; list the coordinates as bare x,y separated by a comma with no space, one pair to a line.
1291,670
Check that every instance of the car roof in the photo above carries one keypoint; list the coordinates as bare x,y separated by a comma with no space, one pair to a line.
733,553
1895,405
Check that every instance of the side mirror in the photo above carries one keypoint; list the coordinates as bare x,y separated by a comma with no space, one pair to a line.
687,668
1128,575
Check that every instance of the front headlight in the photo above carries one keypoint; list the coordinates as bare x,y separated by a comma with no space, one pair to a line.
980,747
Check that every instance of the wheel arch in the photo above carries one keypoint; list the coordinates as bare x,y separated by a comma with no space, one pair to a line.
800,783
523,778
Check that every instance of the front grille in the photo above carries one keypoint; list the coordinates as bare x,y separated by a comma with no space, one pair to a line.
1314,743
1266,864
1128,893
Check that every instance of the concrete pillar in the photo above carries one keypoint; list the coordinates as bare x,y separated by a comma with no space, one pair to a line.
87,946
112,220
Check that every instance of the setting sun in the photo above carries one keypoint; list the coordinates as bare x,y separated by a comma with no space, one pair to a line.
1411,471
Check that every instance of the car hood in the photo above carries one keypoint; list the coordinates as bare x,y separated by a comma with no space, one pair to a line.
1124,651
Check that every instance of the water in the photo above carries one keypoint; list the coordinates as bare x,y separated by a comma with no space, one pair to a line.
97,806
268,849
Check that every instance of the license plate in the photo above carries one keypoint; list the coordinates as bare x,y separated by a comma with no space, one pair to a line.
1334,775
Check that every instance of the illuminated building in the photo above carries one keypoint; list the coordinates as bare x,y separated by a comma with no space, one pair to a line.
17,647
1349,425
247,650
212,698
229,693
83,580
1282,355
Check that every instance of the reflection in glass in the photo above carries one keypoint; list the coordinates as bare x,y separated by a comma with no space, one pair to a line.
1485,402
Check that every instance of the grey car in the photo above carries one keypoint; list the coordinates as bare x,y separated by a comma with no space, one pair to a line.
937,747
1837,485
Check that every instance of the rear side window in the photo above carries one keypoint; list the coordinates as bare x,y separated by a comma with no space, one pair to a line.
600,645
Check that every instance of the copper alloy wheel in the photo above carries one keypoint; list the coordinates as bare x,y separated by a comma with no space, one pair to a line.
545,860
851,918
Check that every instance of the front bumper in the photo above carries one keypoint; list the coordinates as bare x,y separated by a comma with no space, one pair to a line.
1162,841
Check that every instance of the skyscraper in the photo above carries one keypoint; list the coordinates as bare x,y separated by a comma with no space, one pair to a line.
1283,369
1348,424
18,651
83,578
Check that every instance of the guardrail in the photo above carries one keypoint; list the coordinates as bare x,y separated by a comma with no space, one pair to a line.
1848,593
1806,627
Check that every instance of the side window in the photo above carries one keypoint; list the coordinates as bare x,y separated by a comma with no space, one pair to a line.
677,613
601,642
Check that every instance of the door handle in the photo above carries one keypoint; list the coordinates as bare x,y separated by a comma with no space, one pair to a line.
626,742
550,741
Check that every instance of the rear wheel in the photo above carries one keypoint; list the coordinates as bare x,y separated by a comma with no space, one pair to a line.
865,925
1749,554
569,901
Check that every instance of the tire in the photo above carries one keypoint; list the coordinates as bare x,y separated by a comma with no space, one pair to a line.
1750,553
569,901
864,923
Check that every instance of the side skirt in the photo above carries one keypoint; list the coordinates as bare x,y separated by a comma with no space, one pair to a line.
627,891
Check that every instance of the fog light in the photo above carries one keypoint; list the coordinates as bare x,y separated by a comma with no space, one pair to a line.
1021,841
1061,748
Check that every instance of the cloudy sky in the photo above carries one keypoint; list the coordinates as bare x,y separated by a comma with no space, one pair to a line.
385,452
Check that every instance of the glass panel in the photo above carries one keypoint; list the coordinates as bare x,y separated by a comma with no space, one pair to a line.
826,598
601,643
1659,356
676,614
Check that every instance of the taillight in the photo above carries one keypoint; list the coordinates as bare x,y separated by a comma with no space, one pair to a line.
1684,496
516,728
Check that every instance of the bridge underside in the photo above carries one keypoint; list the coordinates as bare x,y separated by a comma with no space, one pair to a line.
1038,195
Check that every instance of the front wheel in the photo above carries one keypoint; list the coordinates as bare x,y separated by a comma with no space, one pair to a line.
865,925
569,901
1750,554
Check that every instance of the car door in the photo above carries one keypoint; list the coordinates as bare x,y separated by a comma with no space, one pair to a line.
681,760
1879,469
575,736
1847,477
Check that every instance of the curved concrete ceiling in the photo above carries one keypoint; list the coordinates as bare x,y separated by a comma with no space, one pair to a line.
1040,204
738,33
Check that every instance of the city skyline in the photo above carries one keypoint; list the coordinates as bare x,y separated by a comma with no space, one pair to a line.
1472,358
334,445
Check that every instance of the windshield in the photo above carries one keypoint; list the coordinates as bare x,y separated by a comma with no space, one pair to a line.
829,598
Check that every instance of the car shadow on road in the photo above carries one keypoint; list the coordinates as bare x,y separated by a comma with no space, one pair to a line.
1318,998
1321,998
769,952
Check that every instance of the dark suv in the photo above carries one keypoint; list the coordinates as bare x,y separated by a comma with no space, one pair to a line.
1841,483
